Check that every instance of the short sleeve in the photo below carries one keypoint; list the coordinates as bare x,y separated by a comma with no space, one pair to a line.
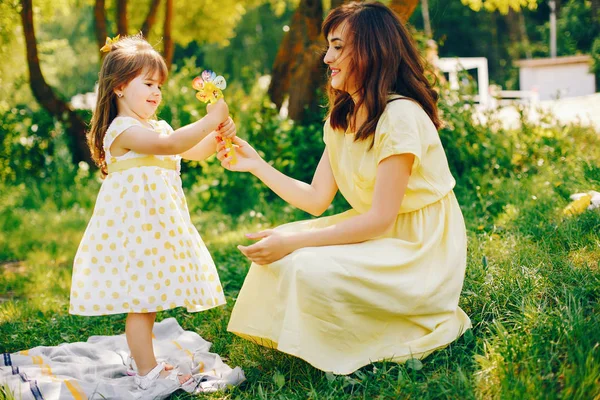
118,126
326,129
398,131
165,127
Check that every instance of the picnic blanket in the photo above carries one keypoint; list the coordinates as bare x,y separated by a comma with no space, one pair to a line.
97,369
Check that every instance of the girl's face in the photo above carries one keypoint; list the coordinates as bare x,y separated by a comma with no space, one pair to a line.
338,59
141,97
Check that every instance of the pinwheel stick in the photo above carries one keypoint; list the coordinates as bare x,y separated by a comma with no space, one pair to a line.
210,89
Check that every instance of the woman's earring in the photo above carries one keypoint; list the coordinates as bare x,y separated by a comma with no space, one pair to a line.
119,95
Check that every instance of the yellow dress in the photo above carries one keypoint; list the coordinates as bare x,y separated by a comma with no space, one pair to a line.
391,298
140,251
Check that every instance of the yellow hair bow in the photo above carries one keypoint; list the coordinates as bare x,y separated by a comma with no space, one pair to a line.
109,43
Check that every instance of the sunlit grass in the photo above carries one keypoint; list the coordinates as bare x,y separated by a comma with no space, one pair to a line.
533,298
532,290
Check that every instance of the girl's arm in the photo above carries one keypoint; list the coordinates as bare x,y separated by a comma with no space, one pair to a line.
391,183
202,150
313,198
208,146
146,141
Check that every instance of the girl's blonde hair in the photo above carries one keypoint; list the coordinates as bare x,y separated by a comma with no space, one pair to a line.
126,59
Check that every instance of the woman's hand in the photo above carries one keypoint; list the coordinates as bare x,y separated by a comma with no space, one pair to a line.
247,158
272,246
227,129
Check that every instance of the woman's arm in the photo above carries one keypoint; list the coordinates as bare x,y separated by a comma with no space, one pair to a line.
391,183
313,198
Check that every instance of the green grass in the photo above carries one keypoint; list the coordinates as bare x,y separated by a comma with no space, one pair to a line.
532,289
5,394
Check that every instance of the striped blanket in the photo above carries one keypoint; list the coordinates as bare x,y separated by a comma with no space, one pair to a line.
97,369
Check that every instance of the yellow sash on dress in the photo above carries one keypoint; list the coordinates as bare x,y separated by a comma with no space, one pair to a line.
148,161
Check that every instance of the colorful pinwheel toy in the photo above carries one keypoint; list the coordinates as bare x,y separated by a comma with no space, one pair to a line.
210,89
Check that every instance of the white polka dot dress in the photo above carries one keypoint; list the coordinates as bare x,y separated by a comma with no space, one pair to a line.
140,252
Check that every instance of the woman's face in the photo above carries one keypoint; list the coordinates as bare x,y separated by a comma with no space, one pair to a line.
338,59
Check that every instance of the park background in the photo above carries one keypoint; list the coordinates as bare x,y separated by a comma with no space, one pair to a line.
533,279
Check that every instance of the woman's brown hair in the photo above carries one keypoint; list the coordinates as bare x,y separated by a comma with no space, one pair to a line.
126,59
384,60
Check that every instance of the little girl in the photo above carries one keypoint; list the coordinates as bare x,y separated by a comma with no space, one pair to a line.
140,252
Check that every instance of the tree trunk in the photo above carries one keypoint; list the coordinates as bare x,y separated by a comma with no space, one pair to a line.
524,36
75,127
596,11
495,39
168,48
122,17
337,3
298,70
100,22
513,25
426,18
404,8
150,18
307,77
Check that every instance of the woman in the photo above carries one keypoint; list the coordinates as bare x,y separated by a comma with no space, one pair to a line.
382,280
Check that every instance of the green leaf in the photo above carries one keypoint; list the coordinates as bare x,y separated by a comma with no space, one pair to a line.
349,381
469,336
279,379
360,375
414,364
330,377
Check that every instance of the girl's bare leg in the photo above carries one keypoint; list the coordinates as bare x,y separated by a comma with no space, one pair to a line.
138,330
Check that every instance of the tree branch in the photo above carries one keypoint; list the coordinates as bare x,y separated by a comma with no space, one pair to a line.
150,18
100,22
296,68
44,94
404,8
168,44
122,17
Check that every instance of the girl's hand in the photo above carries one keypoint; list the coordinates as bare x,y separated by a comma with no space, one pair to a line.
247,158
227,129
272,246
219,110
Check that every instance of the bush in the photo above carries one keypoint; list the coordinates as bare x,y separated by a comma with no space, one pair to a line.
481,154
27,141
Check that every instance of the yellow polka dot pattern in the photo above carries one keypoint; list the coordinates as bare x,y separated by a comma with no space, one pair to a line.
140,251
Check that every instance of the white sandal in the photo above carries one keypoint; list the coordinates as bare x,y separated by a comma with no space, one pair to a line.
131,367
146,381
